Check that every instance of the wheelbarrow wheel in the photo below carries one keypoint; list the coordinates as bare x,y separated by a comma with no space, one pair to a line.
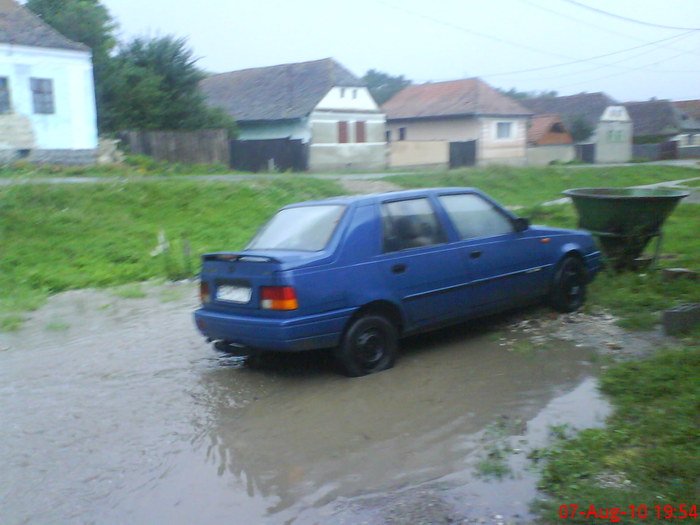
568,292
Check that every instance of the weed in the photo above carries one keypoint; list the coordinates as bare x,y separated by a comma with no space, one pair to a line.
57,326
130,291
648,454
11,322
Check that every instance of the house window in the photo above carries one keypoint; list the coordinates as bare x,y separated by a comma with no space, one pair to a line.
402,133
342,92
42,95
504,130
354,93
387,134
360,132
4,95
342,132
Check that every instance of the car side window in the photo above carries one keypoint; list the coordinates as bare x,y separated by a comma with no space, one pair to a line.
474,216
409,224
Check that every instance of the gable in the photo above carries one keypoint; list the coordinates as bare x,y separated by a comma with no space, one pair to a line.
19,26
288,91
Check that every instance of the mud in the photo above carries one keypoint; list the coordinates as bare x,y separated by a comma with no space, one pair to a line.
116,411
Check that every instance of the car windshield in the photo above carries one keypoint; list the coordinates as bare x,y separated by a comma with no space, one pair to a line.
306,228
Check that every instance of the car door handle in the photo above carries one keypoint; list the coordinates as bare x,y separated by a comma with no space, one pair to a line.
398,268
475,254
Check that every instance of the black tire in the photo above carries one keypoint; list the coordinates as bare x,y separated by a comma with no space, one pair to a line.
568,292
369,345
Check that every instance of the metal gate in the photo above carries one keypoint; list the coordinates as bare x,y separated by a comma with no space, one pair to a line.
269,155
585,153
462,154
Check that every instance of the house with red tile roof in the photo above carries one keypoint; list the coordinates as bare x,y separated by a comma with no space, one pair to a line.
548,140
47,97
467,111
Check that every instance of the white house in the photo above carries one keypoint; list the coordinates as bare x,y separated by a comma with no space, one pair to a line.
47,97
319,103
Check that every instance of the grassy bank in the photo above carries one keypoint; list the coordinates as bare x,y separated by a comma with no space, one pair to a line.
60,237
531,186
647,455
67,236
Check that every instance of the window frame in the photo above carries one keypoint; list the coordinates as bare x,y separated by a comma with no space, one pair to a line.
43,96
439,233
5,100
511,129
490,205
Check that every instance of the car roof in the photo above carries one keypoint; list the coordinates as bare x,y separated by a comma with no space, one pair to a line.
379,197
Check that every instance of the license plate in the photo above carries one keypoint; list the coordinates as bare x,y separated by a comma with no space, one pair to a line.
233,294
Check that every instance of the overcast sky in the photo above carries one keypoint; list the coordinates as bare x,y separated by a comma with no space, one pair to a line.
527,44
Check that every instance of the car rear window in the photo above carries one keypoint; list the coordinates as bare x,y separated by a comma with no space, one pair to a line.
305,228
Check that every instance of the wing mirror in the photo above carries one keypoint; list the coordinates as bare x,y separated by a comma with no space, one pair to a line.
521,224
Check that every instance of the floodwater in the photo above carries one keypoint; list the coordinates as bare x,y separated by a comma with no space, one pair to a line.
115,410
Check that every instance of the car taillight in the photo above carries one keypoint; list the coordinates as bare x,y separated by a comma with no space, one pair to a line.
278,298
204,293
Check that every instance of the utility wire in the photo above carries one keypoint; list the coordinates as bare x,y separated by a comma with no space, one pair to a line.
651,24
589,59
581,22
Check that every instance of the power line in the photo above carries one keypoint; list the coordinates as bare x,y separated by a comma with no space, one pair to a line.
651,24
578,21
589,59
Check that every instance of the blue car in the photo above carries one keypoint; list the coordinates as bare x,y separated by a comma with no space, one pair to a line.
355,274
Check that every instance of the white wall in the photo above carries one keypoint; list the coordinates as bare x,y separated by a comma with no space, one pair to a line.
73,125
348,99
293,129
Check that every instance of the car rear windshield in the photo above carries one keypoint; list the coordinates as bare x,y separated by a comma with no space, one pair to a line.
306,228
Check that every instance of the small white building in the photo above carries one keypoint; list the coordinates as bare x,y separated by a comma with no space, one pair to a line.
319,103
47,97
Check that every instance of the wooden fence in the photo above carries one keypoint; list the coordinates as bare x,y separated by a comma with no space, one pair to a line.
207,146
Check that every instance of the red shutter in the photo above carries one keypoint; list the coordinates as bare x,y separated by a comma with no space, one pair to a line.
360,132
342,132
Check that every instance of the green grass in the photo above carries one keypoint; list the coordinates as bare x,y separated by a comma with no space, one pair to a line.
134,166
649,452
130,291
60,237
530,186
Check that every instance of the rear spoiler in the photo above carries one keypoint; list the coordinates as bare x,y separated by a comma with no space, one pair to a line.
238,257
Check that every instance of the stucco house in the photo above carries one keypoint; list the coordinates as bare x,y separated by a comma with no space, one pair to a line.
548,140
611,137
47,97
319,103
467,110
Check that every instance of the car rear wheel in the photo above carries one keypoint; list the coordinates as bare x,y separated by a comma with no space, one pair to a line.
568,291
370,345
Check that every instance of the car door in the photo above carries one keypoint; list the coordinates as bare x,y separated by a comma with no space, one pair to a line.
506,267
422,269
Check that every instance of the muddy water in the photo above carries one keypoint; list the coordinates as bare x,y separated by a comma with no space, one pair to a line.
115,411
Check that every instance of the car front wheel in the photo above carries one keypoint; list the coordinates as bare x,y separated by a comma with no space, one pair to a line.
369,345
568,291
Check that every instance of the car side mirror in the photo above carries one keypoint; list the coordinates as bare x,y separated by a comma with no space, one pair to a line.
521,224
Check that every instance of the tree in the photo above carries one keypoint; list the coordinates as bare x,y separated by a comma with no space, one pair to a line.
520,95
383,86
154,84
87,22
580,128
147,84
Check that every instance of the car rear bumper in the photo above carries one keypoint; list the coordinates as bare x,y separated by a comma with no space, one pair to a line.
285,335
